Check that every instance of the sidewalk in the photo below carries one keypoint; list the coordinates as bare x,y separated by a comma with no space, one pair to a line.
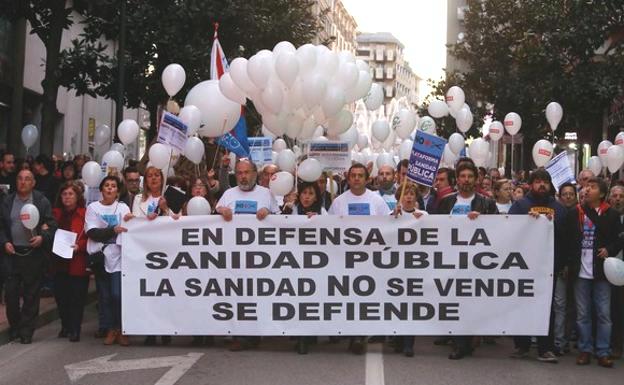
47,312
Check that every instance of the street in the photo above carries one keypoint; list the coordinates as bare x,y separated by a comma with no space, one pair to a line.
50,360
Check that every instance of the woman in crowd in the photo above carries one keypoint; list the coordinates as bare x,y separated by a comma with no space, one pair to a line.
68,171
103,225
151,204
408,205
308,202
71,278
517,193
502,194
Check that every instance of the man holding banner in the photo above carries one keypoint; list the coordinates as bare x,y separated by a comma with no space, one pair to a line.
465,202
358,200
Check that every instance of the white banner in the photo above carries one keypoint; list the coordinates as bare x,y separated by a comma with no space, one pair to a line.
333,156
293,275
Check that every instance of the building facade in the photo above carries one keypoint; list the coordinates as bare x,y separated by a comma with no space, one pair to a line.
384,54
338,27
22,69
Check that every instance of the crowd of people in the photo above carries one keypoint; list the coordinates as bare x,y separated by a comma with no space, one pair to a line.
587,311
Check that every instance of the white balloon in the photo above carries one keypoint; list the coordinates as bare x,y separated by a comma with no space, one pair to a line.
405,150
173,78
287,67
310,170
478,151
191,116
306,56
362,65
230,90
283,46
340,123
374,97
614,271
314,87
463,119
350,136
273,96
362,141
92,174
194,149
427,124
403,123
277,124
279,145
127,131
496,130
512,122
113,159
273,157
260,67
318,133
542,152
218,113
595,165
198,206
455,98
333,101
293,126
361,88
321,139
281,183
102,135
456,143
238,73
30,133
326,62
286,161
602,151
159,155
29,215
118,147
615,157
619,139
380,130
385,159
554,113
347,75
448,157
307,129
437,109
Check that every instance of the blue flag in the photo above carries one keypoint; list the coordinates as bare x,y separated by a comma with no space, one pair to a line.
236,140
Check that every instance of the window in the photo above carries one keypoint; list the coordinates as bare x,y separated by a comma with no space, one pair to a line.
389,91
390,55
379,73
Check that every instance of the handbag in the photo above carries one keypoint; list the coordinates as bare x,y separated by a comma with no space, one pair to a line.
95,261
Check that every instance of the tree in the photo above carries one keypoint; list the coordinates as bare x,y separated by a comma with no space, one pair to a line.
48,19
161,32
520,55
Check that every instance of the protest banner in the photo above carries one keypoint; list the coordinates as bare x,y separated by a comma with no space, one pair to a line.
260,150
560,170
333,156
172,131
328,275
425,158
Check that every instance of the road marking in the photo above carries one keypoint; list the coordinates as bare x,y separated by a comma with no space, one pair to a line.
179,366
374,365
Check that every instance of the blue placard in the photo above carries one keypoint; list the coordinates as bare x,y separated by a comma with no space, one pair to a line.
425,158
245,207
359,209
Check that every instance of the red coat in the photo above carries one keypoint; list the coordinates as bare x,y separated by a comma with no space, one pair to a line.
77,266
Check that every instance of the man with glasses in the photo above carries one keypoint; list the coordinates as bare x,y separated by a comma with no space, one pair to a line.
132,184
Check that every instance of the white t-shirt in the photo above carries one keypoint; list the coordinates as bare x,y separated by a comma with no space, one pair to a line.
409,213
101,216
369,203
503,208
462,206
248,202
143,208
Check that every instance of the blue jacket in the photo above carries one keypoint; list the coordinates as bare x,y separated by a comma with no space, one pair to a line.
547,205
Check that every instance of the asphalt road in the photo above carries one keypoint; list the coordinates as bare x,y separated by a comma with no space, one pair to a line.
50,360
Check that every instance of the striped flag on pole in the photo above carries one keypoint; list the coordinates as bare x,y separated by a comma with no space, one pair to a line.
235,140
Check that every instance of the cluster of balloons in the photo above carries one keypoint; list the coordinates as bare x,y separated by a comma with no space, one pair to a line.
610,155
296,90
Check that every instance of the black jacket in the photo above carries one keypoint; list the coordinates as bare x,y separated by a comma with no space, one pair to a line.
480,203
45,217
608,234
